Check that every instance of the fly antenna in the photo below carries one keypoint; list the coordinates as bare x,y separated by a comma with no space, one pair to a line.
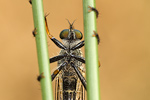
71,25
68,22
73,22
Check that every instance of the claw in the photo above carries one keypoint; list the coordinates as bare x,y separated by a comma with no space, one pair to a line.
47,30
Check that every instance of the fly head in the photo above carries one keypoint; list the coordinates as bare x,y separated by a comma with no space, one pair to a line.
71,33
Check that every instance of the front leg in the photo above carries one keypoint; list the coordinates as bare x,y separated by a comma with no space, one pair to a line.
58,43
79,45
56,58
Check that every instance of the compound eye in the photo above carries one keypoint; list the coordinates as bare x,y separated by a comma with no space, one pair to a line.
78,34
64,34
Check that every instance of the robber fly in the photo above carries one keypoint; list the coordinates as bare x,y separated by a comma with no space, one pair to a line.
69,75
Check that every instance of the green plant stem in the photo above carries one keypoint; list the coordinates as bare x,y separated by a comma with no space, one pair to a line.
42,49
91,51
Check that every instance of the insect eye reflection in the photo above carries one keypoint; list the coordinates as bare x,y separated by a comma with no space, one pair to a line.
64,34
78,34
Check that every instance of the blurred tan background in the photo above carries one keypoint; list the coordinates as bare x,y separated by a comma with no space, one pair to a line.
124,51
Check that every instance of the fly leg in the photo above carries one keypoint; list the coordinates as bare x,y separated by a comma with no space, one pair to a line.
79,45
82,79
58,43
58,70
56,58
79,58
93,9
